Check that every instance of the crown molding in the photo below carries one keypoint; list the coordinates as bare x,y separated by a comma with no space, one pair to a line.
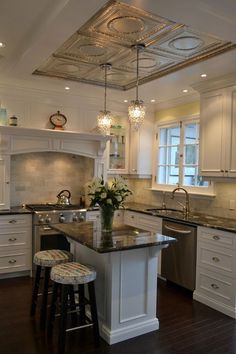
216,83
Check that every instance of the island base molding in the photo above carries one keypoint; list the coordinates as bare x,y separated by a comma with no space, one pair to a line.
227,310
119,335
126,290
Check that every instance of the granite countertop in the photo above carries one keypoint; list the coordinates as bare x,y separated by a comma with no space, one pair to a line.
16,210
123,237
194,218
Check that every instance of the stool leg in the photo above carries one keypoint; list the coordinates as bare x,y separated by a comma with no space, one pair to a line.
82,303
43,315
62,328
53,308
94,316
72,304
35,291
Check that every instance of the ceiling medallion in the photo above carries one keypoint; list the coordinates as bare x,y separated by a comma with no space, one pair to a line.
108,36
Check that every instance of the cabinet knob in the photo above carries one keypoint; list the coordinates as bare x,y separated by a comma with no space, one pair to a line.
12,261
132,217
215,259
8,182
12,221
222,171
215,237
226,170
214,286
12,239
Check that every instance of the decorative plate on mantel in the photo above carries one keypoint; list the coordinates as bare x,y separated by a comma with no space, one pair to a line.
58,120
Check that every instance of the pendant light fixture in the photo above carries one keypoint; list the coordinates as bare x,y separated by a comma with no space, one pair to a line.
104,118
136,110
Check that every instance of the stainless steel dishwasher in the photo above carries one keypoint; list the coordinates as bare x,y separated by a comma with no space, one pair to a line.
179,259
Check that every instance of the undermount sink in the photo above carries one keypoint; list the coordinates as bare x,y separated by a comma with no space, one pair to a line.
164,211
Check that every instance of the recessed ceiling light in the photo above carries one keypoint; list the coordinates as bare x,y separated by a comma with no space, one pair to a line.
67,88
184,90
153,100
125,101
2,45
203,75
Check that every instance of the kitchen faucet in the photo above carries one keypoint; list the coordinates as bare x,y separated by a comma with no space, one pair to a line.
186,208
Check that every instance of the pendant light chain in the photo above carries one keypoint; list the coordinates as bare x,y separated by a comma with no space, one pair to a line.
137,73
105,94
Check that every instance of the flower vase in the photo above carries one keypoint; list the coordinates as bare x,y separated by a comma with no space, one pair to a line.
107,216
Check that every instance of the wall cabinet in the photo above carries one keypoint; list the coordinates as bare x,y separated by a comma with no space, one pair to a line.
4,182
216,270
130,151
218,133
15,243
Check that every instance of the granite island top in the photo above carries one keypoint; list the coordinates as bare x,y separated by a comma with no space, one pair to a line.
123,237
194,218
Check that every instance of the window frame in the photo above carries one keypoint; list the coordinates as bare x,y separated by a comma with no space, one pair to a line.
198,190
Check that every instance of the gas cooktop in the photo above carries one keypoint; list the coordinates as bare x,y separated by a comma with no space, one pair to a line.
50,206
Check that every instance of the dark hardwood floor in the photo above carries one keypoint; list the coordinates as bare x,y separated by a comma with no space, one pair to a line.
186,326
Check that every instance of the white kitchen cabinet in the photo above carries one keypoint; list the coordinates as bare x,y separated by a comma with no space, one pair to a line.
218,133
4,182
130,151
15,243
94,215
216,270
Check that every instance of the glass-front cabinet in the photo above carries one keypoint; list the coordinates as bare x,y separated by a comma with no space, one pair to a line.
117,151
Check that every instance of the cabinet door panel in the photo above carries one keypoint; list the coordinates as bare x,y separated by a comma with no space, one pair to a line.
5,182
231,114
212,154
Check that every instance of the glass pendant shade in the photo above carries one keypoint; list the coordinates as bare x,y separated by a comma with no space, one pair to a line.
136,113
136,109
104,118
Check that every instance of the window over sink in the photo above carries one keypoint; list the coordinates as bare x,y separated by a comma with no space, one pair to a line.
177,157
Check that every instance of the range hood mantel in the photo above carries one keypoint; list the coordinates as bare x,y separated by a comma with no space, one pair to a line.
17,140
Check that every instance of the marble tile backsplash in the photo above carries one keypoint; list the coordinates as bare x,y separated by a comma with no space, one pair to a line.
218,206
39,177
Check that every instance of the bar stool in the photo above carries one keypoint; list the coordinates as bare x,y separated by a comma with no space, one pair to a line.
45,259
69,276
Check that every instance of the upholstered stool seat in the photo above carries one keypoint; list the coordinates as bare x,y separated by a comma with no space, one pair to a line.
46,260
50,258
68,276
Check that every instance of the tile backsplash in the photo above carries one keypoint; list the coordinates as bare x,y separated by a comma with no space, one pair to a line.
39,177
218,205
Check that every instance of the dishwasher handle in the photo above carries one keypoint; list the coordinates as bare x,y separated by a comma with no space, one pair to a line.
178,231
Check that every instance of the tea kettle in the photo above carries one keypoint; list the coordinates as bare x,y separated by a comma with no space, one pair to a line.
64,197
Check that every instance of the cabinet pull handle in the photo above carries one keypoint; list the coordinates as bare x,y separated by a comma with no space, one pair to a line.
13,221
12,239
214,286
12,261
215,259
222,171
226,170
216,237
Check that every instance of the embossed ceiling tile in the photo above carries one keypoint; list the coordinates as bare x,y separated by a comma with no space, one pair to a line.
63,68
115,78
89,49
125,24
186,43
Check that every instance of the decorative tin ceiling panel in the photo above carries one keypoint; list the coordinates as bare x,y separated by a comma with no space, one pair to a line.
108,37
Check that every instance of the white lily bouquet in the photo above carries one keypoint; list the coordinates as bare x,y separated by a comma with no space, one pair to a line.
109,196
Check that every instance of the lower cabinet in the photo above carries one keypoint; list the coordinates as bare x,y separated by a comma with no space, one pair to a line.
15,243
216,270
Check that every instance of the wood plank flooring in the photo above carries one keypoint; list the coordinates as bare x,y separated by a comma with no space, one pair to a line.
186,326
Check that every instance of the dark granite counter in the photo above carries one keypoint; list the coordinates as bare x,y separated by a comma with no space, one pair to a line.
15,210
193,218
123,237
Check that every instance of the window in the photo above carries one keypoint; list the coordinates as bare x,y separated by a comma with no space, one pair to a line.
178,157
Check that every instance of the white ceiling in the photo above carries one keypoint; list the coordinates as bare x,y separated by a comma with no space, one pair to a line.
33,29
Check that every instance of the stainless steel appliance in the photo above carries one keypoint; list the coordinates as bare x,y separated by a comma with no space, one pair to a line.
44,216
179,259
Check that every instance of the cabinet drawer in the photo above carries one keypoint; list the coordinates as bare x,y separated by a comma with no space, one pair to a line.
15,238
222,260
217,237
119,217
215,286
142,221
15,220
93,215
15,261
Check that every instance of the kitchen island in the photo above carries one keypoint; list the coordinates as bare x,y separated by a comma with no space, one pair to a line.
126,284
